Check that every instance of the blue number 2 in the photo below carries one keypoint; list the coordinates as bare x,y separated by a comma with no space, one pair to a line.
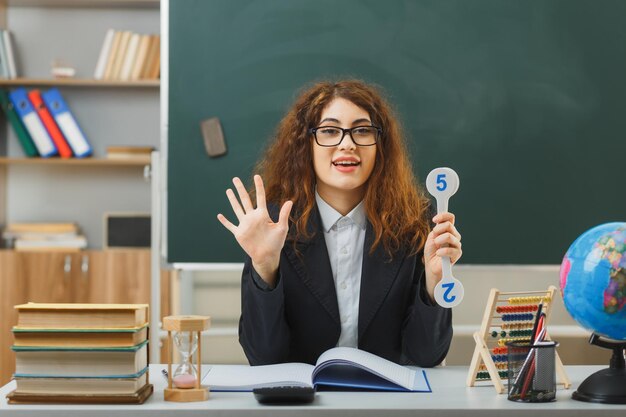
446,295
441,182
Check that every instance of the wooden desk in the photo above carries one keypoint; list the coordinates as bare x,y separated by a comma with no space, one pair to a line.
450,397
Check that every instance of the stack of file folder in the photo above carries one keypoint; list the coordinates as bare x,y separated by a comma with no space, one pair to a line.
44,124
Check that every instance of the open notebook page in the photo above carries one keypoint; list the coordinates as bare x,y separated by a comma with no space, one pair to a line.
411,379
245,378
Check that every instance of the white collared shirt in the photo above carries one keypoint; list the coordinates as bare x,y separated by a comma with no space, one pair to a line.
345,237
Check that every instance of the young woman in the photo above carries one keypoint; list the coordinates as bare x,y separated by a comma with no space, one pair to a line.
340,247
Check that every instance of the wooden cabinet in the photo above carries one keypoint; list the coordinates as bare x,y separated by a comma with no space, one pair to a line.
93,276
44,277
113,276
9,291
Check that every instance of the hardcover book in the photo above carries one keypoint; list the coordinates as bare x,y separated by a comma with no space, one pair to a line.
41,228
337,368
138,397
104,55
77,316
97,337
71,362
80,386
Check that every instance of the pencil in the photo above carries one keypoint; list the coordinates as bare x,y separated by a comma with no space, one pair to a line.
517,385
537,317
538,337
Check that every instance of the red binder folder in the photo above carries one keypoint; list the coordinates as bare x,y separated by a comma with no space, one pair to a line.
51,126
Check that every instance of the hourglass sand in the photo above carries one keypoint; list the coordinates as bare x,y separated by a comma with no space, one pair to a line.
184,384
185,375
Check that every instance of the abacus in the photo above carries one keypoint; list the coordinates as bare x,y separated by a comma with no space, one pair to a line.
509,316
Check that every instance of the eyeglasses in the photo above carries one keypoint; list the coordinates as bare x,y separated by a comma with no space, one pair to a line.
332,135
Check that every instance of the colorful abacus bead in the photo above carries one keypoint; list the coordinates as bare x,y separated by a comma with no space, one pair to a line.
517,317
499,350
520,333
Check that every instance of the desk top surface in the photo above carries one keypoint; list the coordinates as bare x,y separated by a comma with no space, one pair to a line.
450,397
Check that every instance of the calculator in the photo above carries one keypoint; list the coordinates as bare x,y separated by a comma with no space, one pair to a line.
284,395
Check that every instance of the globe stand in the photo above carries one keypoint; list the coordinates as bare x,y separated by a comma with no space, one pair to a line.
608,385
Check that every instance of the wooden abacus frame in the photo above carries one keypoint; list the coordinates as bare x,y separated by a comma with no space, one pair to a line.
492,319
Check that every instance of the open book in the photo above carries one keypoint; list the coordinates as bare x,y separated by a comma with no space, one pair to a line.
345,367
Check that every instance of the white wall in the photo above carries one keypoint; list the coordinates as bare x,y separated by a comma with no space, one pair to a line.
217,294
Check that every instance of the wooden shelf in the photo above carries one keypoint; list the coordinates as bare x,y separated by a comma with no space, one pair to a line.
74,161
152,4
75,82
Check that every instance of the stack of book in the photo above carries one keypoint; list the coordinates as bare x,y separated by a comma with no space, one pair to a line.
128,56
44,237
127,152
43,123
83,353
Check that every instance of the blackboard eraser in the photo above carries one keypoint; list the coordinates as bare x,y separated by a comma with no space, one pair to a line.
213,136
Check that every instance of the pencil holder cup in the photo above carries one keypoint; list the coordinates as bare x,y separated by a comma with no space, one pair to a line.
531,371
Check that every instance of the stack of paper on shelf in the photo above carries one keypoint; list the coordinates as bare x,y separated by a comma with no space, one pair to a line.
128,56
44,237
139,153
81,353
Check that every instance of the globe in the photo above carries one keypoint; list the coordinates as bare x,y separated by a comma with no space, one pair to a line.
593,280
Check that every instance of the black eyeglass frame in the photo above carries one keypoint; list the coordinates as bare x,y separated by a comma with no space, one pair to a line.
314,130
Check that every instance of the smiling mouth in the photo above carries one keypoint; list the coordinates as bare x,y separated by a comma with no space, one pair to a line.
346,163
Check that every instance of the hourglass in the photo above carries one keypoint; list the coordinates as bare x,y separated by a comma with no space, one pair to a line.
184,384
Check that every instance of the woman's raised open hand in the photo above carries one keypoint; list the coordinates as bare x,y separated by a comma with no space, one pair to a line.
257,234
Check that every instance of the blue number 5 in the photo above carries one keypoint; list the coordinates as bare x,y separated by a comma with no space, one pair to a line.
446,295
441,182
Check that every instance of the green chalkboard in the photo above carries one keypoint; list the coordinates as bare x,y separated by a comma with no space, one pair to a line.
525,99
